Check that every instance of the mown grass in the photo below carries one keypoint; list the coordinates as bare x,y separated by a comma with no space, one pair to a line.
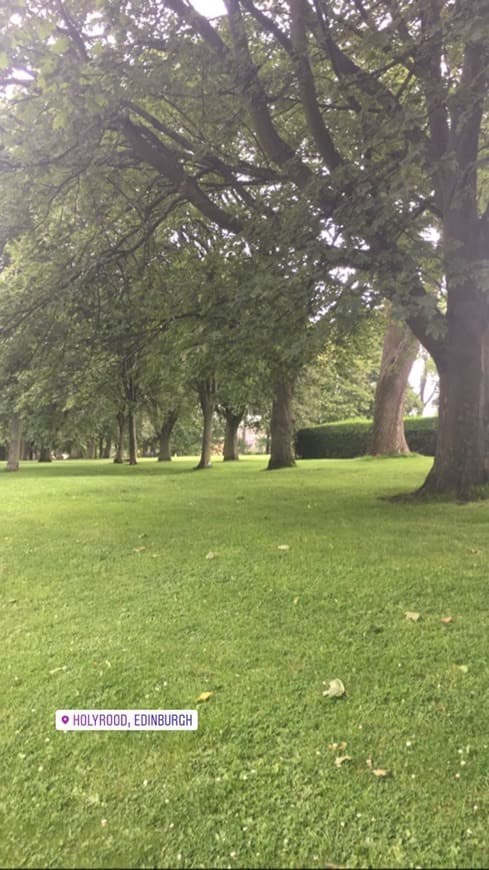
93,620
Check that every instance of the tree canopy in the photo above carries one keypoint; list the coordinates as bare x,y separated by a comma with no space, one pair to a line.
344,137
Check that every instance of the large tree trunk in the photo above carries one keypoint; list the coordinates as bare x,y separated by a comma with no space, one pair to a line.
14,446
398,354
207,398
45,454
282,426
91,448
164,435
121,428
230,452
462,448
105,453
133,442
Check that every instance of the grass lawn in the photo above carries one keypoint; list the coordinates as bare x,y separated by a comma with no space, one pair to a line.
108,601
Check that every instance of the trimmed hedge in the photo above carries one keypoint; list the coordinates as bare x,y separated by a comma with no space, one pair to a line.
349,438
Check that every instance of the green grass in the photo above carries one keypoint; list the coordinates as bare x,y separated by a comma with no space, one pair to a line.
91,620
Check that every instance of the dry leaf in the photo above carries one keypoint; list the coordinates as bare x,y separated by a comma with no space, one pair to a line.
283,547
341,759
204,696
296,599
341,746
139,549
56,670
211,555
412,615
335,689
463,668
446,620
377,771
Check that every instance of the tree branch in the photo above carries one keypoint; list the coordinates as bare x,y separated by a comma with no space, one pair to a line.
307,88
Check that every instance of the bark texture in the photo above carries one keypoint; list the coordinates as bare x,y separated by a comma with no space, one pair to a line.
14,447
398,354
45,454
207,398
282,453
462,449
233,419
164,436
121,429
133,439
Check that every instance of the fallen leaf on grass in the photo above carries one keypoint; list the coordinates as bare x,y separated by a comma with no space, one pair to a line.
377,771
463,668
446,620
211,555
204,696
139,549
56,670
283,547
341,746
296,599
341,759
412,615
335,689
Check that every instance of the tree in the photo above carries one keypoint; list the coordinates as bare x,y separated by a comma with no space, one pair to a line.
15,442
340,383
398,354
390,145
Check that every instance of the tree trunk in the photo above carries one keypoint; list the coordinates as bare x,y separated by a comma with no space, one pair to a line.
207,398
133,442
91,448
121,428
462,446
45,454
105,454
230,451
398,354
100,450
13,457
164,435
282,426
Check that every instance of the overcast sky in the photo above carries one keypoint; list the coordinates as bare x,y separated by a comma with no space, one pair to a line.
210,8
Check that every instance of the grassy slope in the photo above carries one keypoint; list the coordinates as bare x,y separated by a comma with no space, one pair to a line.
256,786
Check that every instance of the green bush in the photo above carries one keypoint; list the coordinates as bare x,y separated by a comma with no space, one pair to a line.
349,438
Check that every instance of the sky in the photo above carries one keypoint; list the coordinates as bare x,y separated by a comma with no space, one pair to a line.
209,8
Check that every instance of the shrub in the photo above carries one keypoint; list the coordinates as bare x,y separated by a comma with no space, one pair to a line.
421,434
349,438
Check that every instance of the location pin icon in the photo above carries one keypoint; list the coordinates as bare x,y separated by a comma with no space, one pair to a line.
65,720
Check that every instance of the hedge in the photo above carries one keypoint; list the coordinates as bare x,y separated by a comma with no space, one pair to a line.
349,438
